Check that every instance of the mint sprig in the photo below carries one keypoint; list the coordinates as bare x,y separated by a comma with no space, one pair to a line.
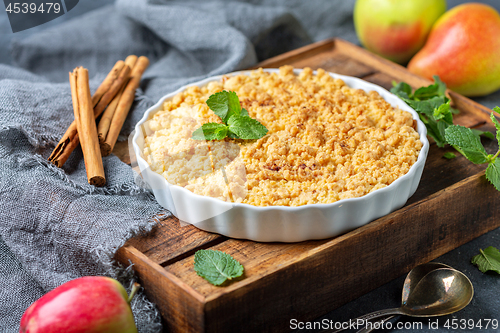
216,266
434,109
468,144
487,260
237,124
432,106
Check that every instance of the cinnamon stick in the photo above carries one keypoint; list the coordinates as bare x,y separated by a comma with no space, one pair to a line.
107,116
85,124
108,81
117,78
113,89
123,107
65,147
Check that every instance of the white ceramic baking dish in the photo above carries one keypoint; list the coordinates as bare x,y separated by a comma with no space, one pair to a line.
280,223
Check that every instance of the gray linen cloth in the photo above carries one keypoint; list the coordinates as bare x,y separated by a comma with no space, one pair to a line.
54,226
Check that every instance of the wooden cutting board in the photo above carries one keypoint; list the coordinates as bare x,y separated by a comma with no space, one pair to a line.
453,204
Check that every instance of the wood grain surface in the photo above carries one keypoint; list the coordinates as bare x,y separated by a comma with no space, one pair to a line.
452,205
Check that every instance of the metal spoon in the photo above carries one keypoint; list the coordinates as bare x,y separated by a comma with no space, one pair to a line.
411,280
439,292
416,274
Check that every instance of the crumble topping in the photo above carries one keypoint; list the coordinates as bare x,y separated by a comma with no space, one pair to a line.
326,141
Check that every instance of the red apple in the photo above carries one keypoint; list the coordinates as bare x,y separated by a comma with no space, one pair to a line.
91,304
396,29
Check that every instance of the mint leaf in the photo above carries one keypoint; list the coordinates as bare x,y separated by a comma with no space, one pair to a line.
436,89
432,106
436,114
216,267
449,155
210,131
486,134
467,143
493,173
402,89
428,106
443,112
233,105
226,105
441,85
423,93
246,128
495,121
435,130
219,104
487,260
231,135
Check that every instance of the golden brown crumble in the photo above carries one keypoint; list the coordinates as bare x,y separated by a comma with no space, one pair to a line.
326,141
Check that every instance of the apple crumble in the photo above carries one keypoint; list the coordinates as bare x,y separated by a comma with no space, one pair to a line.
326,141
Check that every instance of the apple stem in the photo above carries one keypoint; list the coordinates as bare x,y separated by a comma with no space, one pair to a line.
134,290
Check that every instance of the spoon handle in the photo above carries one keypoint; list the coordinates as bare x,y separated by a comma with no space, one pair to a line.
380,313
373,315
368,329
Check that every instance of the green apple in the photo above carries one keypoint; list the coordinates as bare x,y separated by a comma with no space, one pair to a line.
396,29
91,304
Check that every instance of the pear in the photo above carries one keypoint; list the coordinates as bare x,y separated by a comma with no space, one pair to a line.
396,29
91,304
463,49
